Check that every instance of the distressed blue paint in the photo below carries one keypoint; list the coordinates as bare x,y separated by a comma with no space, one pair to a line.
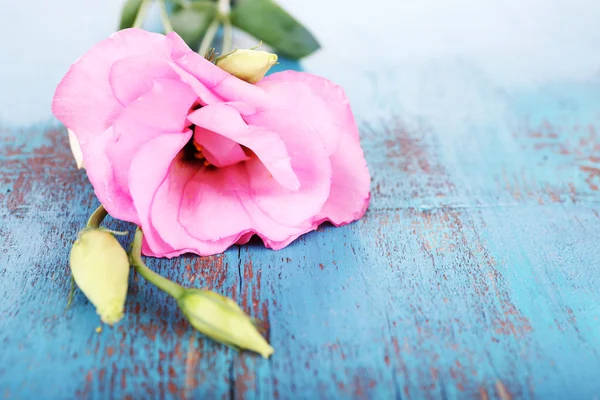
474,274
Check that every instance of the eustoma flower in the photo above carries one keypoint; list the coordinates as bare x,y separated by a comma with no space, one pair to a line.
202,160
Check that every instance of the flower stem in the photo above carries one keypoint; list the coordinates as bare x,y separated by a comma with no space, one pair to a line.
209,37
97,217
227,36
141,15
164,17
135,258
224,9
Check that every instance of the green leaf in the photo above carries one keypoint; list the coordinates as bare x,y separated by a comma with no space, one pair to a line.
192,21
129,12
270,23
186,3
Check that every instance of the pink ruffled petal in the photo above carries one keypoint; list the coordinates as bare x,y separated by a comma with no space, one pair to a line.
267,145
216,192
221,83
179,47
201,230
165,107
162,109
180,209
149,169
219,207
168,195
349,197
100,173
323,103
205,95
310,163
244,109
84,100
350,185
131,77
215,210
219,150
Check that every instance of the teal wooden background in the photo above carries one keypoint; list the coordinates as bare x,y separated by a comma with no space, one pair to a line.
474,274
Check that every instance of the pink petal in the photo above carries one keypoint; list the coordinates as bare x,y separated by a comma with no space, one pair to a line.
309,161
100,173
165,107
175,212
244,109
178,46
84,100
133,76
205,95
206,211
267,145
219,150
149,168
221,83
350,184
349,195
217,192
160,112
172,197
322,102
162,109
180,49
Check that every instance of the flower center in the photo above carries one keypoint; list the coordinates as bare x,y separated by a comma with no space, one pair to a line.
199,155
210,149
193,151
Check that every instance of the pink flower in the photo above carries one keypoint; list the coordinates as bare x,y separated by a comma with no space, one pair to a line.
202,160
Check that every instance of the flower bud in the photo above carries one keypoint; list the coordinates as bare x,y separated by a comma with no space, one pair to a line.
100,268
248,65
221,319
76,149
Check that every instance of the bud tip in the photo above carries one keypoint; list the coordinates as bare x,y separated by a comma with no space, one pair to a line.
267,351
111,312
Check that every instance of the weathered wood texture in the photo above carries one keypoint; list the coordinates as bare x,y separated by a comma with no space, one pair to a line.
474,274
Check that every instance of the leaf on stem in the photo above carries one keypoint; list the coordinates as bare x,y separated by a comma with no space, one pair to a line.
129,12
270,23
192,22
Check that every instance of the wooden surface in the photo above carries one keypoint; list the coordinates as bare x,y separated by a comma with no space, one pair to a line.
475,273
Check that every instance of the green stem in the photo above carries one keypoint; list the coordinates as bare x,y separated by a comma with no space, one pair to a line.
135,258
71,293
209,37
141,15
227,36
224,9
97,217
164,17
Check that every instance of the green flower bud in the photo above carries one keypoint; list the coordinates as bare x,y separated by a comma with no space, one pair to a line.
100,268
248,65
221,319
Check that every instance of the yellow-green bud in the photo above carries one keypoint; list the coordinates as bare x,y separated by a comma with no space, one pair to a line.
248,65
100,268
221,319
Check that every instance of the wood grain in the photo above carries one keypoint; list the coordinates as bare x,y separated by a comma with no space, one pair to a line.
474,274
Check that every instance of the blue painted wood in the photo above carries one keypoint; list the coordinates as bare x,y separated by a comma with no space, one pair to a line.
474,274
